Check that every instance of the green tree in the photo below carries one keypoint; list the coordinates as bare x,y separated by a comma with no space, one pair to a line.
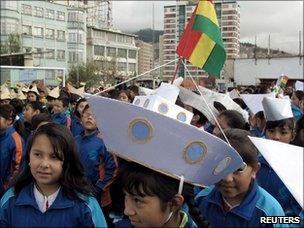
12,45
94,73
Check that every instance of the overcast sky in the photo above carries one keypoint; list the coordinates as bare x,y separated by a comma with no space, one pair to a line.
281,19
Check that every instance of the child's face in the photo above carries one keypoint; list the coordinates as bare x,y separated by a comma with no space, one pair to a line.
235,186
29,112
283,134
58,106
145,211
46,168
31,96
295,100
81,106
4,123
123,97
223,123
88,120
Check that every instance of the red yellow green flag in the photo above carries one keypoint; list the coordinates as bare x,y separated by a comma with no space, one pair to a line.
201,43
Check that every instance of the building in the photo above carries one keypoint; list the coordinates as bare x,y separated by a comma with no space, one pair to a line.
105,44
145,57
176,18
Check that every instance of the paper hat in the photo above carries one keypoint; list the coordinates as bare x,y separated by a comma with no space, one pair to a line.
33,88
79,91
5,93
276,109
163,144
287,161
55,93
224,99
234,94
254,101
196,101
299,85
20,95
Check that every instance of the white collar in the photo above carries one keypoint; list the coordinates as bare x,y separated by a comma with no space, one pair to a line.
42,200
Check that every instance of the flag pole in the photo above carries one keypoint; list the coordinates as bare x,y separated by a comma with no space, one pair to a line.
176,69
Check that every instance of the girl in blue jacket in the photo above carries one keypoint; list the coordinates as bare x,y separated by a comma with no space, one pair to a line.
238,200
52,189
152,200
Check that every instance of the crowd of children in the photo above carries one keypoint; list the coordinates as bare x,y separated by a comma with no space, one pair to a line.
57,171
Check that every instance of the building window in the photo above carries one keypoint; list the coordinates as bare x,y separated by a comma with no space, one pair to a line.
111,36
120,38
8,26
99,34
49,33
50,14
60,35
132,67
38,11
99,50
121,66
111,52
50,75
50,54
26,9
75,16
75,57
38,53
60,16
27,49
122,53
38,31
27,30
60,54
129,40
132,54
9,5
74,37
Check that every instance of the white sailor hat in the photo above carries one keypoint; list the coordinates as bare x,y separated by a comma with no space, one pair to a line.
254,101
276,109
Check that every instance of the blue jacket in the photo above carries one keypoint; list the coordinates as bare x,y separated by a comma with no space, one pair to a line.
257,203
11,153
62,118
76,126
22,211
256,132
94,157
270,181
189,223
296,111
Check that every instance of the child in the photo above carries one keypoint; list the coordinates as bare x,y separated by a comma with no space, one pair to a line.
299,139
52,189
98,163
31,109
260,123
237,200
59,111
297,100
152,200
76,126
33,93
279,127
11,147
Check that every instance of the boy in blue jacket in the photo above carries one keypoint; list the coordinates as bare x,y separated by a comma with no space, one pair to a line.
100,165
60,113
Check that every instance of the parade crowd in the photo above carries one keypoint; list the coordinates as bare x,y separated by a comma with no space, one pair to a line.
56,170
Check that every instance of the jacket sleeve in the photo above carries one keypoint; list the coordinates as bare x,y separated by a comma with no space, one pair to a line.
93,215
17,148
107,169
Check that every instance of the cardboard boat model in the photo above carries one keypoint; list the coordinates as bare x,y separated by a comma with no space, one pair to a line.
155,132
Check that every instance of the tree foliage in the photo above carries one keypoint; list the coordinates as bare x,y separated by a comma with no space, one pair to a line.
12,45
94,73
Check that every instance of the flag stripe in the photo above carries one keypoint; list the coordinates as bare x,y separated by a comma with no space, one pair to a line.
204,25
202,51
215,61
206,8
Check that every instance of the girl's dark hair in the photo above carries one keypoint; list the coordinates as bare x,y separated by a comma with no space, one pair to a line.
203,119
260,115
299,126
139,180
72,179
36,105
85,108
76,107
240,102
299,94
281,123
219,106
17,104
7,111
64,100
240,141
39,118
234,119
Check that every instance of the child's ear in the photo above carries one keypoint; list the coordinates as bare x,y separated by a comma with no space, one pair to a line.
255,169
177,202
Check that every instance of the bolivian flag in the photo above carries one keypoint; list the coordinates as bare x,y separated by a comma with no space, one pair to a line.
201,42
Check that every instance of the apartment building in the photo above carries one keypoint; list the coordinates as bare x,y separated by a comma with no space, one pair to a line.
145,57
105,44
176,18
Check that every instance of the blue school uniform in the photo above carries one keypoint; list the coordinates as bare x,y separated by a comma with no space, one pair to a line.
94,157
257,203
62,118
297,112
270,181
76,126
22,211
11,152
187,222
